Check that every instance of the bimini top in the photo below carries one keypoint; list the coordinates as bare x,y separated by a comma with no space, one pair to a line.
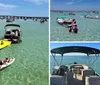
16,25
79,49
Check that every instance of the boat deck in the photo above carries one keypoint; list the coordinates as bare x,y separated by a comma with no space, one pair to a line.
74,81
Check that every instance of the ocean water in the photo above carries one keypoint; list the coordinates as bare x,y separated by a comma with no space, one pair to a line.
82,59
89,29
31,56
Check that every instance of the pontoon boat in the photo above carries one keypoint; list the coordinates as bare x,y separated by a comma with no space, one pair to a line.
13,34
75,74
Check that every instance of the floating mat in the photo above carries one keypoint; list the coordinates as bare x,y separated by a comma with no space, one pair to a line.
4,43
62,16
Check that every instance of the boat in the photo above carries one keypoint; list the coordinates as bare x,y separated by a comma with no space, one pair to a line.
71,13
60,21
12,33
96,12
63,21
9,20
42,20
74,74
4,43
92,17
7,63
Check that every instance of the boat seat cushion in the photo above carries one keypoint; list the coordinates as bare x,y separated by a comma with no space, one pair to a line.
57,80
92,80
88,72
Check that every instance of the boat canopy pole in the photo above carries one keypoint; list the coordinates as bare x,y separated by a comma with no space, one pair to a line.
95,58
61,59
96,55
88,60
55,58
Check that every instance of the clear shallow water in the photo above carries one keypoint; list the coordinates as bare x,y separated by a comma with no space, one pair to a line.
89,29
31,64
68,60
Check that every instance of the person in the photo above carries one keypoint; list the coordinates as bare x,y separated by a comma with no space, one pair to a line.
8,31
73,20
75,29
70,29
1,62
12,33
75,62
4,61
62,70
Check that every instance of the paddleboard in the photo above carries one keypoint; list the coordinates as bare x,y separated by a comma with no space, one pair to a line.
7,63
4,43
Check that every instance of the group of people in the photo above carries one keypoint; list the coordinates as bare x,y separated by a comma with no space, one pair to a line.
70,23
73,28
62,70
12,34
5,60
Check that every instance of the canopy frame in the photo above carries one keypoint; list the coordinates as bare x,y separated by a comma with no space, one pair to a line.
68,49
8,25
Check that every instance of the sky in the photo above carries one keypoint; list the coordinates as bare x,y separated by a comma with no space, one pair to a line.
24,7
75,5
93,45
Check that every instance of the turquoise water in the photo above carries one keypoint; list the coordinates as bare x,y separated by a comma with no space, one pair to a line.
89,29
82,59
31,64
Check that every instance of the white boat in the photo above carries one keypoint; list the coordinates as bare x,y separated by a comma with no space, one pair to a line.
60,21
7,63
92,17
75,74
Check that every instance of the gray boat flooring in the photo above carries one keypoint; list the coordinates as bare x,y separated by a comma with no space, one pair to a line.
74,81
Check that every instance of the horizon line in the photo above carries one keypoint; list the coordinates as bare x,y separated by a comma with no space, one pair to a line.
71,10
24,16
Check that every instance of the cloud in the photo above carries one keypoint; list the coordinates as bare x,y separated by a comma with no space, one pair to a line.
73,1
69,2
38,1
6,9
7,6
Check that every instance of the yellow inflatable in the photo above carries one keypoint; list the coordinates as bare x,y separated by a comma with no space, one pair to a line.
4,43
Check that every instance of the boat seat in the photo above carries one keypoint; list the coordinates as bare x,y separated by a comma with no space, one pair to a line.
7,36
8,32
58,80
74,66
88,72
92,80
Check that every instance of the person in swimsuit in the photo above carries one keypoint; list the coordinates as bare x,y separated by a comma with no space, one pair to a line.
4,61
75,29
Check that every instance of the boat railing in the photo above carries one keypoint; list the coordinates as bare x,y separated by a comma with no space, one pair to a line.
97,74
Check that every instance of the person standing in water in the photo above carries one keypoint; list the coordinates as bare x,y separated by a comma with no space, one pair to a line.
75,29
